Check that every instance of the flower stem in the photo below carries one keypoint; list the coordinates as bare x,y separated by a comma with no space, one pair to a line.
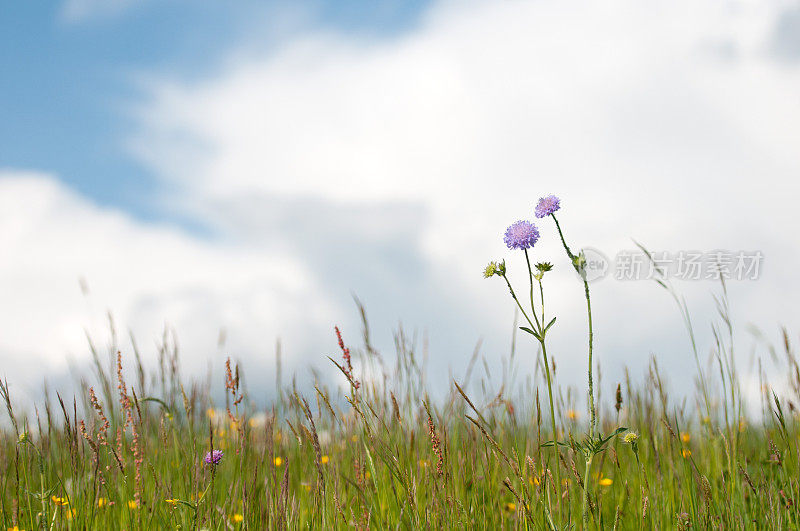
585,504
553,424
592,412
572,257
538,328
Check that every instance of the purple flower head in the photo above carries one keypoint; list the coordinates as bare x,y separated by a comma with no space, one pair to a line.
213,457
547,205
521,235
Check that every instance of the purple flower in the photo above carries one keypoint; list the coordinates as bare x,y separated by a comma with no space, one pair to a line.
213,457
547,205
521,235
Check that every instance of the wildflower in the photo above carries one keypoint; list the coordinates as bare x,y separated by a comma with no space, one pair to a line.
171,501
544,267
606,482
237,518
278,461
685,437
547,205
631,437
510,507
102,502
572,414
133,504
15,528
210,413
60,501
307,487
324,459
521,235
23,437
686,453
213,457
490,270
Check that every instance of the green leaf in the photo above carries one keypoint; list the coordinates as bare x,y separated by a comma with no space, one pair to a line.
546,328
531,332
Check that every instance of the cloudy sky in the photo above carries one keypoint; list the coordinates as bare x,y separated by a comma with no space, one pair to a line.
249,168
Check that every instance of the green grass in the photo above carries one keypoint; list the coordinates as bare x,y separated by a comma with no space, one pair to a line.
386,456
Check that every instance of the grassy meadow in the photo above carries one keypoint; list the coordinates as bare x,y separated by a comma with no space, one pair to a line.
152,449
129,453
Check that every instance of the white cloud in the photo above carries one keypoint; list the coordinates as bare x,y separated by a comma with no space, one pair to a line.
145,275
668,122
391,166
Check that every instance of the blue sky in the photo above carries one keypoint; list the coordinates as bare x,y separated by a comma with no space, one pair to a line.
250,168
69,83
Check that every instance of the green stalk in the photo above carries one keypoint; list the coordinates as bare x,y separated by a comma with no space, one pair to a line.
572,257
541,332
592,412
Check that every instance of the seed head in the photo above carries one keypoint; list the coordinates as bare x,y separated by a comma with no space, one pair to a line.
631,437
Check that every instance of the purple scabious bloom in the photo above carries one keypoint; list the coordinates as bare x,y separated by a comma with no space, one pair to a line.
521,235
213,457
547,205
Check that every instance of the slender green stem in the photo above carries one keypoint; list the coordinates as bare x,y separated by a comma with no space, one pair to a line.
552,424
514,296
533,306
592,412
539,330
585,504
590,398
572,257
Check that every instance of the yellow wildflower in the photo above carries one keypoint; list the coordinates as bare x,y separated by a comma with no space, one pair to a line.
171,501
102,502
606,482
686,453
510,507
132,504
60,501
278,461
237,518
572,414
324,459
210,413
685,437
307,487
